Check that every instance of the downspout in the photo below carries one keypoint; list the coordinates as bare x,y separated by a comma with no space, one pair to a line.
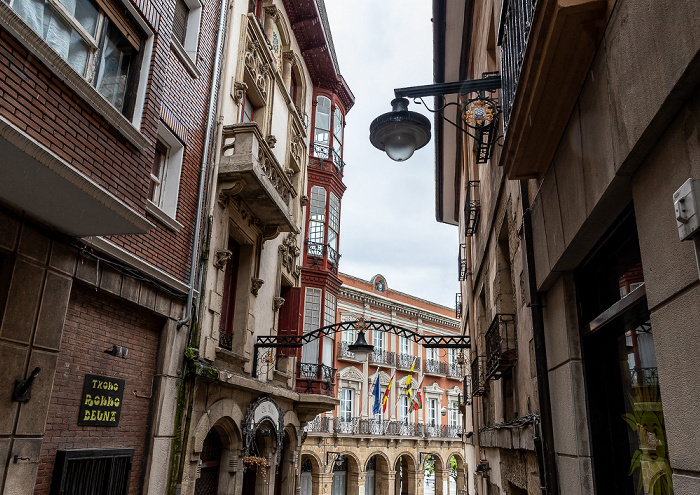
203,169
546,455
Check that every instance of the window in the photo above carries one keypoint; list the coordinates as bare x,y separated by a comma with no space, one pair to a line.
322,131
186,24
317,221
312,320
165,176
294,88
403,408
329,310
102,45
246,111
378,341
404,346
431,354
432,412
182,11
338,133
106,471
333,228
346,404
453,409
255,7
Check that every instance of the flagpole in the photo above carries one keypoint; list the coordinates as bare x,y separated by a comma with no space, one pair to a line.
370,393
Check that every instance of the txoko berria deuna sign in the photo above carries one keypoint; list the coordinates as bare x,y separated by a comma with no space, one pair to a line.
101,403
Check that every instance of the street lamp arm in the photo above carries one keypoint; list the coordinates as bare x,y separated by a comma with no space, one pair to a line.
491,83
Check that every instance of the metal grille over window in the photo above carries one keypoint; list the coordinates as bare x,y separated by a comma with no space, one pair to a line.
462,262
180,21
472,208
103,471
501,345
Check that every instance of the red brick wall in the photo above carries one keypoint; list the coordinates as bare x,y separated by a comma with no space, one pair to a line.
36,101
94,323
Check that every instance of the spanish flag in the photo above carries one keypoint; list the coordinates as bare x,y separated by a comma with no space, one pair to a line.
385,400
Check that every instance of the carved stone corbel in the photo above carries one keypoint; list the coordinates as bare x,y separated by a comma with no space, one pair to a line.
228,190
303,201
271,140
256,283
221,257
238,90
273,13
277,303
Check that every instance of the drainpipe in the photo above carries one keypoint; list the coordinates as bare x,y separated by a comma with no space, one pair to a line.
546,456
203,169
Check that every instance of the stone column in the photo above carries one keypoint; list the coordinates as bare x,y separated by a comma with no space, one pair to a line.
356,483
415,482
461,480
441,476
385,482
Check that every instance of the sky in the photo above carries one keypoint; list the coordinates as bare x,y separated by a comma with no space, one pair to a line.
388,221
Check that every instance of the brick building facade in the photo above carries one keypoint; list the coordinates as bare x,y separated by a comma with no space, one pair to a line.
100,178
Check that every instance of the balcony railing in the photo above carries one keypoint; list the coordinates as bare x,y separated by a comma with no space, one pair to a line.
324,154
501,345
382,357
463,269
458,305
472,208
250,172
343,352
454,370
333,258
435,367
478,377
380,427
314,378
514,33
405,361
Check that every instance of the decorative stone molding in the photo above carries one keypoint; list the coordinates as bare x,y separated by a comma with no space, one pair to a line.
256,283
272,13
239,89
290,251
304,200
221,257
271,140
277,303
228,190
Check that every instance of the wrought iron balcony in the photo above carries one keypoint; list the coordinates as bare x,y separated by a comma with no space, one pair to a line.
319,424
472,208
458,305
382,357
333,258
381,427
405,361
501,345
343,352
514,33
314,378
322,156
462,263
250,172
435,367
454,370
315,249
478,378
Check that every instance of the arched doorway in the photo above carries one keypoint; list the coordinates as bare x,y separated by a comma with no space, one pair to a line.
340,476
306,478
457,475
260,462
284,476
377,475
208,481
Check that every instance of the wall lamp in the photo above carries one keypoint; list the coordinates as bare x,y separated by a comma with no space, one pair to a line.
400,132
117,351
23,388
337,458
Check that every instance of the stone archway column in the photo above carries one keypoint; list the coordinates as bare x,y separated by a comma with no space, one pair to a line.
321,483
356,483
387,482
441,479
415,481
461,480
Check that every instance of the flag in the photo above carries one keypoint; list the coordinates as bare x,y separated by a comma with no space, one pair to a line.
409,378
417,402
385,400
377,400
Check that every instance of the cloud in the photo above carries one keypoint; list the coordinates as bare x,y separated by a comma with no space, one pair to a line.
388,221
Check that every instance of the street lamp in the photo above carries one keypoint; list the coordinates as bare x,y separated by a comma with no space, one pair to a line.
400,132
361,348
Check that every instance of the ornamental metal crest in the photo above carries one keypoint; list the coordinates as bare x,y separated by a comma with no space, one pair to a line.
263,409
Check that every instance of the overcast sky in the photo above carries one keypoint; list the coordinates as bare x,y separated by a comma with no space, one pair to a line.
388,221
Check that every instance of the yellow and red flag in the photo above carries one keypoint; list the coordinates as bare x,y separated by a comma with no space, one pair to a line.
385,400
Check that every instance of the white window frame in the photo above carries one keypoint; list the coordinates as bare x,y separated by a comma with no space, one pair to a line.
194,22
329,309
378,340
346,404
432,418
312,320
165,206
404,404
404,346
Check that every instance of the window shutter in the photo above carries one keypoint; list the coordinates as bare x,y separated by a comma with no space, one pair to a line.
289,317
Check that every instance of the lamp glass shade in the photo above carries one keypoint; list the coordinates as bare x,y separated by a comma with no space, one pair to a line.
400,132
361,348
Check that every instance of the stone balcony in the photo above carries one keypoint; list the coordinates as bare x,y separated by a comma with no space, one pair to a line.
249,171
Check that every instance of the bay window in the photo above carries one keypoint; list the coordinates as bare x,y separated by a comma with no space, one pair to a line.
312,320
333,227
317,221
322,127
95,38
337,135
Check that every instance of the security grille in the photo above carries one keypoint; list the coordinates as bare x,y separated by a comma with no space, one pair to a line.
87,472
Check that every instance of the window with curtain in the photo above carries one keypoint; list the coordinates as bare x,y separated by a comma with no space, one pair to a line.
317,221
404,346
403,408
95,38
333,227
378,341
432,412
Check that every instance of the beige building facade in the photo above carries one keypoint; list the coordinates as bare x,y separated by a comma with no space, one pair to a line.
580,296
